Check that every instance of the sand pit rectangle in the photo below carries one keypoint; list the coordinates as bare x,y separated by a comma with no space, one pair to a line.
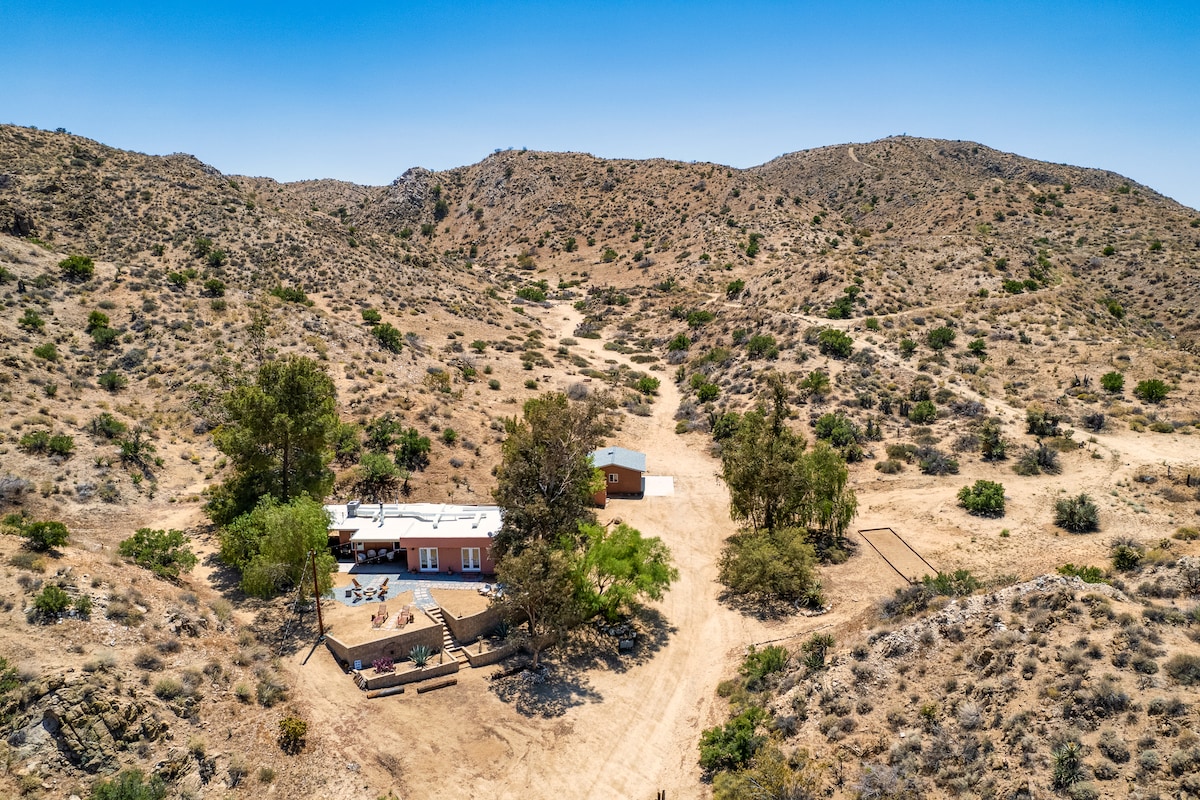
896,552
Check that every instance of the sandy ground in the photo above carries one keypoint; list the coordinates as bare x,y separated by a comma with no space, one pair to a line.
628,726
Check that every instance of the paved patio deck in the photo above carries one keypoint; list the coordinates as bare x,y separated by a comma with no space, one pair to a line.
372,577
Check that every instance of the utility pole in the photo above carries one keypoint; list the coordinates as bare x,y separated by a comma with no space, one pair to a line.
312,556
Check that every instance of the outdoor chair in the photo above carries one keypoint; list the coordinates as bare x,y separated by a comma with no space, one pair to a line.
357,585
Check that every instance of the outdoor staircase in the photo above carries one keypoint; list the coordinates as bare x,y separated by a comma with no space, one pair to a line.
449,645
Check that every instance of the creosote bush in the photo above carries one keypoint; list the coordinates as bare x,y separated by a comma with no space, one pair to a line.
985,498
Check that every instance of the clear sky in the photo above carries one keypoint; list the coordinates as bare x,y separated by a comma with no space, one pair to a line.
362,91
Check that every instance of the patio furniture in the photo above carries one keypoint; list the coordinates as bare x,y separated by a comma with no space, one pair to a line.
379,617
369,591
357,585
370,554
357,595
391,554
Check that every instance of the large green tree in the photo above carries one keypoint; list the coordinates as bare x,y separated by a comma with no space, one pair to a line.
775,482
758,464
278,437
270,546
766,565
545,476
619,567
539,592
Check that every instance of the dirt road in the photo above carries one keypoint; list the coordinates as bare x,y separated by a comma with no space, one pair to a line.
624,727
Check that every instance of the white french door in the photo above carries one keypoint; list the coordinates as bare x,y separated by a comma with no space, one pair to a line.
429,559
470,559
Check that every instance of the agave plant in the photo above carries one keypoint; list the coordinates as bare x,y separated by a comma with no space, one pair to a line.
420,655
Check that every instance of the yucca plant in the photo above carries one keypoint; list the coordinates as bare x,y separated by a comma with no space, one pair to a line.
1077,514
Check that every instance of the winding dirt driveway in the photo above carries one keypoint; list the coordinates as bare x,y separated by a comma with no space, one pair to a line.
622,727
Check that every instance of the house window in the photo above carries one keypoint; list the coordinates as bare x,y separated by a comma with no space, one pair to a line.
613,477
429,559
470,559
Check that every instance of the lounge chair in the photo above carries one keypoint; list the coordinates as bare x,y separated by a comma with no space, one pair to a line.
357,585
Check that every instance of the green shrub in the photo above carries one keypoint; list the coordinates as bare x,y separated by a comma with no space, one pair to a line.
34,442
214,287
832,342
51,601
77,268
1112,382
985,498
46,535
1184,668
290,294
1085,574
60,445
762,346
1151,391
609,255
533,294
761,663
165,553
923,413
292,731
494,384
940,338
130,784
46,351
907,347
104,338
1127,554
815,649
770,565
112,381
732,745
1040,422
1077,514
389,336
371,316
31,321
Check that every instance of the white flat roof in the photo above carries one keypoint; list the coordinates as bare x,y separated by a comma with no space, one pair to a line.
396,522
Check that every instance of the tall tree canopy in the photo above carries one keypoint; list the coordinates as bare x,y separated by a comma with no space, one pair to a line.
619,567
545,477
270,546
278,437
774,482
538,590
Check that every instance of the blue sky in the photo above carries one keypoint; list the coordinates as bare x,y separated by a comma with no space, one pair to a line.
363,91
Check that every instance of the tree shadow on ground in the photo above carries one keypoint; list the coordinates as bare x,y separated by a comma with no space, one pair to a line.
284,628
598,645
760,608
548,692
226,580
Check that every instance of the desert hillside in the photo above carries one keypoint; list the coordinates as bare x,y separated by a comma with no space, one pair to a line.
918,295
